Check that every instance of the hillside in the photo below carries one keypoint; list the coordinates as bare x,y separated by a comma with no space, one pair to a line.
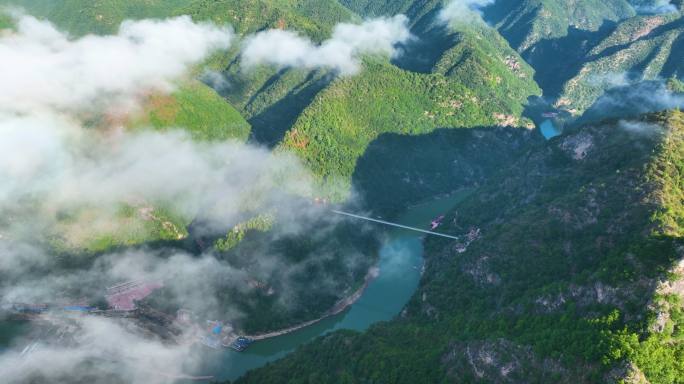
197,109
335,130
525,23
221,184
469,78
581,49
641,48
572,278
98,16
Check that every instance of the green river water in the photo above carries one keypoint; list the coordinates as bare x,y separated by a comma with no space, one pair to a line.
400,264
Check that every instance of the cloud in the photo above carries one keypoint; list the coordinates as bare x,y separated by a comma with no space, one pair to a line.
342,52
60,156
655,6
42,68
462,10
629,98
640,127
101,345
641,97
62,166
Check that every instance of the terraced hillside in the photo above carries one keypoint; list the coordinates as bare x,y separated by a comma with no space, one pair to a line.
567,275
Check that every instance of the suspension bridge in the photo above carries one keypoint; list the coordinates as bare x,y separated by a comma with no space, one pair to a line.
394,224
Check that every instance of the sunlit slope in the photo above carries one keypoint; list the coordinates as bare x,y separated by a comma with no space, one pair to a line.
311,17
479,81
526,22
412,8
641,48
271,99
192,107
572,277
97,16
197,109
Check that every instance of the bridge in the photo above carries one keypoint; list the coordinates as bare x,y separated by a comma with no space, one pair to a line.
394,224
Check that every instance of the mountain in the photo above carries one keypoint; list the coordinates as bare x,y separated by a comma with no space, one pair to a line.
570,274
581,49
646,47
335,130
525,23
99,16
320,117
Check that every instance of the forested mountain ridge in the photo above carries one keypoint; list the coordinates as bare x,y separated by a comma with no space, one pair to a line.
581,49
525,23
567,276
646,47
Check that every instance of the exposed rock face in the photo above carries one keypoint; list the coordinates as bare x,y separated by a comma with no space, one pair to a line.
499,361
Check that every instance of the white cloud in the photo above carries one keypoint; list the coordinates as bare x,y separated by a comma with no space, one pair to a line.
42,68
655,6
52,159
102,345
341,52
640,127
462,10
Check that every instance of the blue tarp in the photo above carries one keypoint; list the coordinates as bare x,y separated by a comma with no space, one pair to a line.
77,308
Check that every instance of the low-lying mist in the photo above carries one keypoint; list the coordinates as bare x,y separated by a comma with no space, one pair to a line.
82,196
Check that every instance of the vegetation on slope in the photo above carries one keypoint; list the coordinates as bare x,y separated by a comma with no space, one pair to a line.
527,22
268,98
335,130
415,10
81,17
89,230
561,286
193,107
5,21
197,109
642,48
314,18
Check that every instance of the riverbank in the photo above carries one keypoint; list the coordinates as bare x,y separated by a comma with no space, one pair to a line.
379,299
338,308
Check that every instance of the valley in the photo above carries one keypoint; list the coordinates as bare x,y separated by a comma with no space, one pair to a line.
224,172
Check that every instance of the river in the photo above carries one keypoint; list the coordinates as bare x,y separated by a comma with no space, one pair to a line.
400,264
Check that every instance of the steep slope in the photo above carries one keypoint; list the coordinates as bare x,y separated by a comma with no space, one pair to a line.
570,272
197,109
271,99
640,48
335,130
526,22
460,76
310,17
581,49
99,16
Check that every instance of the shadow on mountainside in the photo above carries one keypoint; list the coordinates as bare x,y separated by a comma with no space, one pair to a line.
432,41
397,171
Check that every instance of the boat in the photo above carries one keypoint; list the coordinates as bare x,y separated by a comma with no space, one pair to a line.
436,222
241,343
